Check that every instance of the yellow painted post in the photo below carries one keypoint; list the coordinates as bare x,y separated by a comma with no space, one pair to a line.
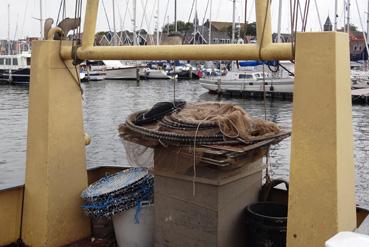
322,195
56,170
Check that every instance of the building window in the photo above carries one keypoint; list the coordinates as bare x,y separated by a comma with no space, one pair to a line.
8,61
15,61
1,61
28,61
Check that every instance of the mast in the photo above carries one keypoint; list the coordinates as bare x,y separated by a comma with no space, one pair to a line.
234,21
245,12
8,29
279,21
335,14
134,22
367,26
41,20
348,15
195,24
114,28
157,24
211,9
175,16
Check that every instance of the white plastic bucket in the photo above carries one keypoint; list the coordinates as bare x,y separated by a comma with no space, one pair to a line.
135,231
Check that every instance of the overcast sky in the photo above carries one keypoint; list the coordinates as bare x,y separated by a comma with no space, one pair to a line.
23,12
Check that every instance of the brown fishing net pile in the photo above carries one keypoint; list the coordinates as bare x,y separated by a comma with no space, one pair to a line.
211,133
232,120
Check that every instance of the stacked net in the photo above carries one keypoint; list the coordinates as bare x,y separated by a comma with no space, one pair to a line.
118,192
215,133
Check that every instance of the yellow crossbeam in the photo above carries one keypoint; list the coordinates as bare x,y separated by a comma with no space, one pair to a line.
264,49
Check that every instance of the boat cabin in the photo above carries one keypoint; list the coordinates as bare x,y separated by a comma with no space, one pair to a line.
15,62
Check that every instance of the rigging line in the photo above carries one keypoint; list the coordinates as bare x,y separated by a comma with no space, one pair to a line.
75,16
189,18
264,93
64,10
250,11
148,24
59,12
16,27
129,12
24,18
299,10
362,27
150,19
166,12
143,15
294,21
203,19
106,15
305,16
79,18
124,18
76,80
318,14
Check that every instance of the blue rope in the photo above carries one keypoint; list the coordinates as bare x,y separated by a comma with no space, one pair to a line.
138,211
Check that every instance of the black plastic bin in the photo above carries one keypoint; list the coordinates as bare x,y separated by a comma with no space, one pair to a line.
266,225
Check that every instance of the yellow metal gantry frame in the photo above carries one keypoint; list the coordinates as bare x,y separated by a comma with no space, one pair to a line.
264,49
321,196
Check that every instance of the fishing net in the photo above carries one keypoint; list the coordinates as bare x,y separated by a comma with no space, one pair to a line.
138,155
118,192
213,133
230,120
209,123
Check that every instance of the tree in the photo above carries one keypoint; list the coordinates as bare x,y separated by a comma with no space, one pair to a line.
353,28
250,29
181,26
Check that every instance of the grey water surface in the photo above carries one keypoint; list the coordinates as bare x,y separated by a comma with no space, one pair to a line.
108,103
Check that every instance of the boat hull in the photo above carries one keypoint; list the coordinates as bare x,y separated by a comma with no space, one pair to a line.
21,76
122,73
271,86
154,74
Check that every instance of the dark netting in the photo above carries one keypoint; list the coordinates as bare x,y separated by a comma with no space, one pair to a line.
119,192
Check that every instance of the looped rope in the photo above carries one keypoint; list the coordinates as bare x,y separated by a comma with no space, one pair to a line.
233,125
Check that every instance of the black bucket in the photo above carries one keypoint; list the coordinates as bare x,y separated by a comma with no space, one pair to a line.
266,225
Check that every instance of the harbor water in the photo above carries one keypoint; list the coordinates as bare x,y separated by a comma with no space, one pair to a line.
108,103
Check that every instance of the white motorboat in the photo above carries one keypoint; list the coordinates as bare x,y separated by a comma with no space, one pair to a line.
116,70
245,81
15,68
95,70
157,74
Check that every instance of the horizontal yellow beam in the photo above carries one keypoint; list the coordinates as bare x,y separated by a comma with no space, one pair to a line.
274,51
